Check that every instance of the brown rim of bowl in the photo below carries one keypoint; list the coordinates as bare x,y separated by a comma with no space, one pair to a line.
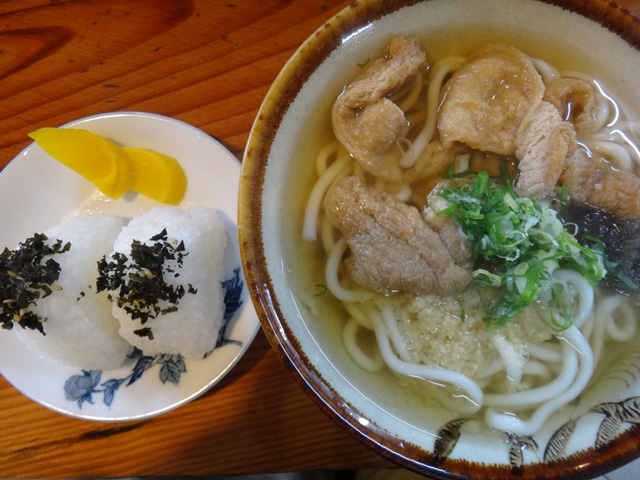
284,90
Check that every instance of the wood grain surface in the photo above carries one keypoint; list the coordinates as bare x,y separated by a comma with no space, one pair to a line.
208,63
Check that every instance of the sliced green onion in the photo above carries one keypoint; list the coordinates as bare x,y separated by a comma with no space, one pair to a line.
521,240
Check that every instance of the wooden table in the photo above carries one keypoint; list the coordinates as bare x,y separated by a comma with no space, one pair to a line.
208,63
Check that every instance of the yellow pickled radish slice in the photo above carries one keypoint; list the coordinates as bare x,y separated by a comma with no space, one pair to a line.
156,175
114,169
97,159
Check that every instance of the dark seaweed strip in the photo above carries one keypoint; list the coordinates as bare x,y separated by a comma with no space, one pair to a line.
619,240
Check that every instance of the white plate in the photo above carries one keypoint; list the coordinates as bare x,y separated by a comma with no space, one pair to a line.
37,193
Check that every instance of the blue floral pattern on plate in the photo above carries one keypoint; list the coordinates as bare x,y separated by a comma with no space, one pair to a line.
81,388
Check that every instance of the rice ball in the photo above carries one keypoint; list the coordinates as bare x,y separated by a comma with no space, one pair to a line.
80,329
187,324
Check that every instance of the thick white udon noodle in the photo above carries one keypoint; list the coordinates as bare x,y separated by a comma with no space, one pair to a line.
562,366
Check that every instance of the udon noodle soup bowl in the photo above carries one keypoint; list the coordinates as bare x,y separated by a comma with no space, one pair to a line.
572,411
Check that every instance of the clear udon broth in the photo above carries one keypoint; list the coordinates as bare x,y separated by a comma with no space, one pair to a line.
306,260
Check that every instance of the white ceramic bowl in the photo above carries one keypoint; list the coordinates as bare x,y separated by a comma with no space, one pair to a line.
599,431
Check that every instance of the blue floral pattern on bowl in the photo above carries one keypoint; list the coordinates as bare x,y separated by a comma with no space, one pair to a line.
81,388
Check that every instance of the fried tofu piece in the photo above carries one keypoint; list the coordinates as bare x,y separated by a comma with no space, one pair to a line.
543,141
576,102
595,182
365,121
487,99
393,247
456,242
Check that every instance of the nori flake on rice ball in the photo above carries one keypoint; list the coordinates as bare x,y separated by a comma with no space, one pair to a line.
139,284
25,278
